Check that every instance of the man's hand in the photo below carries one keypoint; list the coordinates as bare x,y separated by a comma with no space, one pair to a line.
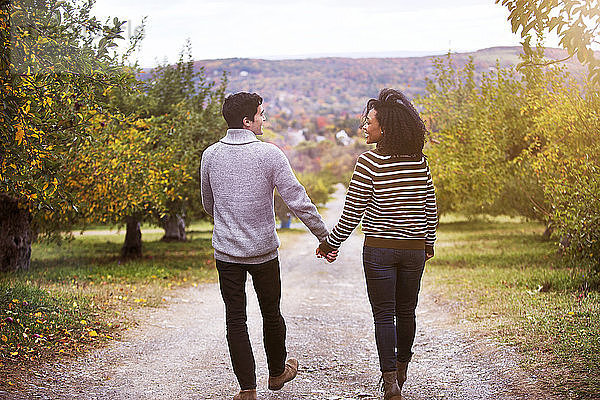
330,257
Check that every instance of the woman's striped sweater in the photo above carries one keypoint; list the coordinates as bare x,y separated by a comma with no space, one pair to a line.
395,198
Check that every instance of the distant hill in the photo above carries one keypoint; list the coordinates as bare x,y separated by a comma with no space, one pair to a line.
335,86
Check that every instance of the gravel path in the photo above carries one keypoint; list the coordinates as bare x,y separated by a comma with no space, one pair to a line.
180,352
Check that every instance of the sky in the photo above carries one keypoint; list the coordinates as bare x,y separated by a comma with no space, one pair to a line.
277,29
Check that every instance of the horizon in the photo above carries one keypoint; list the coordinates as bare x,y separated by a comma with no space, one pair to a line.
358,55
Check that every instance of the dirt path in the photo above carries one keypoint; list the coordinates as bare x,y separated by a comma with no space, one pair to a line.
180,351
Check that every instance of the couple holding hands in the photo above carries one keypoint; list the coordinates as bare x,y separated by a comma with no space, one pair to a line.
391,192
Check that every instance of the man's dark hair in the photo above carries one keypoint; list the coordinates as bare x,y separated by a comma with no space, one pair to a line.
238,106
403,129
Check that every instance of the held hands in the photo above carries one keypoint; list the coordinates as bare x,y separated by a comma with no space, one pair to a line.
330,257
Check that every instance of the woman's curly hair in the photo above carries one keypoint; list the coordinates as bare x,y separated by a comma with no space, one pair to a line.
403,129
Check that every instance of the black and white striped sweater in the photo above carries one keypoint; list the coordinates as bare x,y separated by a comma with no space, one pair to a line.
395,198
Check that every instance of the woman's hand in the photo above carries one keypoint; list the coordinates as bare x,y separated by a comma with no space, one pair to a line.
330,257
429,252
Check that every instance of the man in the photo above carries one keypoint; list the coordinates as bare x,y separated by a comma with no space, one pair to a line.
238,175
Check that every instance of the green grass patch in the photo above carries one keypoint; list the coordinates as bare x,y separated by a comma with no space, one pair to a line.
501,277
79,293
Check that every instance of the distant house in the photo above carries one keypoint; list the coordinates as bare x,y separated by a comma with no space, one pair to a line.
343,138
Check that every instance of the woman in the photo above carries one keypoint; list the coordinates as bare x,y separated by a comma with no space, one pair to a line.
391,190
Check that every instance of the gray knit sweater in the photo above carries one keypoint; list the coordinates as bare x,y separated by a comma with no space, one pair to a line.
238,175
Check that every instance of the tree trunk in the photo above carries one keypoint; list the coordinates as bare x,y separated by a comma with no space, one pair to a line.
132,248
15,235
174,227
548,232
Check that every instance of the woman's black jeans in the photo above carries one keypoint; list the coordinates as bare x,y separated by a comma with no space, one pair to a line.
393,280
267,284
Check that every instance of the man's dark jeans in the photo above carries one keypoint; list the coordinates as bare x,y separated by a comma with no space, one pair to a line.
267,284
393,280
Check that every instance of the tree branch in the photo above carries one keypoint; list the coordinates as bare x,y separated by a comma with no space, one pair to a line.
532,64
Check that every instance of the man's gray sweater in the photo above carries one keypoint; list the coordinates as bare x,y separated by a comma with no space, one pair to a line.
238,175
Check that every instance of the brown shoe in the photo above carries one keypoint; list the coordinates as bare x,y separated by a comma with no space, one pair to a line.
290,372
402,367
390,388
246,395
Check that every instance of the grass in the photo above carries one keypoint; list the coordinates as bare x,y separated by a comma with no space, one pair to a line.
502,278
80,294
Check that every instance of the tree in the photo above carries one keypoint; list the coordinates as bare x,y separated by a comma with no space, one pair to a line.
141,163
481,129
56,64
519,144
182,95
576,22
129,174
566,160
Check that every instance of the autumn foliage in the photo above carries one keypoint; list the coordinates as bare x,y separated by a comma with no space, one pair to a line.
129,170
49,79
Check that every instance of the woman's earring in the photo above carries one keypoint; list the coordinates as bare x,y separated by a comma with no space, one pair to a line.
382,132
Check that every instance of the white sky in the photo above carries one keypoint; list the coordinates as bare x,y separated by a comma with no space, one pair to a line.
285,28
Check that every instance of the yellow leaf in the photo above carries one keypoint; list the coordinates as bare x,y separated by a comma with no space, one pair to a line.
83,322
20,134
4,338
14,353
93,333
